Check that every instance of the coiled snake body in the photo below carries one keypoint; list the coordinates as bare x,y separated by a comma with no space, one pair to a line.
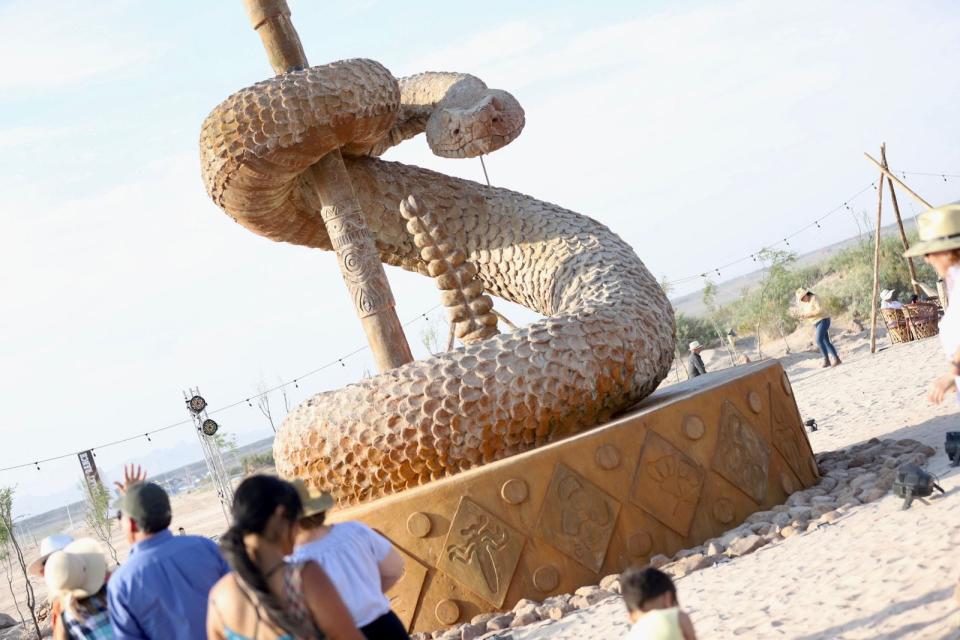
606,340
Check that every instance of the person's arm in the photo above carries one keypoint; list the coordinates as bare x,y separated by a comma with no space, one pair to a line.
131,476
391,570
214,621
702,368
686,627
326,607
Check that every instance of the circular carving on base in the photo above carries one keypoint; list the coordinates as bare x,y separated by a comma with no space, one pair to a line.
723,511
755,402
785,381
693,427
447,611
546,578
608,457
640,544
787,483
418,524
514,491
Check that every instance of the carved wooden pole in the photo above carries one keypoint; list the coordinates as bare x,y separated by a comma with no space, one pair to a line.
356,251
876,268
896,213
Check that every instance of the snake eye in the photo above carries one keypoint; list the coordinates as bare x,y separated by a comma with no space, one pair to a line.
456,131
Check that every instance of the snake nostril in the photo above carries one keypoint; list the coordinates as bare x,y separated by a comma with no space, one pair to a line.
456,131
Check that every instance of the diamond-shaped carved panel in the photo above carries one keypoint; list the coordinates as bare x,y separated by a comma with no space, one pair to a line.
578,517
667,483
742,456
787,434
481,551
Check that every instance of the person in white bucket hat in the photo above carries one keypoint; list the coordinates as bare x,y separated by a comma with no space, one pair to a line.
49,545
887,301
77,577
939,244
695,364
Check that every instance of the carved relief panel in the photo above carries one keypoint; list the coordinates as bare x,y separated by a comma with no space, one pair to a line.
742,455
667,483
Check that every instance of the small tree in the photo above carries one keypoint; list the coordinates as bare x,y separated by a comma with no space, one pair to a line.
98,516
6,520
6,557
263,403
430,337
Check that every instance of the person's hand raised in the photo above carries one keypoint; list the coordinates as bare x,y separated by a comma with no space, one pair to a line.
131,476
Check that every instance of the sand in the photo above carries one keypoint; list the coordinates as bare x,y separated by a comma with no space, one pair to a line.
878,572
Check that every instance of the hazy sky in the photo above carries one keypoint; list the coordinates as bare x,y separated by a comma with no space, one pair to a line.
698,131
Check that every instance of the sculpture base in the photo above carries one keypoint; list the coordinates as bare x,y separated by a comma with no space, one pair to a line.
683,466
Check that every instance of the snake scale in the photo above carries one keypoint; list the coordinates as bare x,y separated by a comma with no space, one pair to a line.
606,339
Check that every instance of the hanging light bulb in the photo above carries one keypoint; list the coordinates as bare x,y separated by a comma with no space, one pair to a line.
248,403
295,383
817,222
944,178
147,435
786,242
341,362
37,465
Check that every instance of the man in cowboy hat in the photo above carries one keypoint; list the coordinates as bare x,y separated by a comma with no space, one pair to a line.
161,590
939,231
695,364
887,300
76,577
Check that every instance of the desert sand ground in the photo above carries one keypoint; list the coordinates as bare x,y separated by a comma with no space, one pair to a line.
878,572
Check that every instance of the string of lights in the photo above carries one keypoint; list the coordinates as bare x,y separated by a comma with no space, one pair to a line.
245,400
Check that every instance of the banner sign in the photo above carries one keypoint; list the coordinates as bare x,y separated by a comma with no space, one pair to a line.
89,469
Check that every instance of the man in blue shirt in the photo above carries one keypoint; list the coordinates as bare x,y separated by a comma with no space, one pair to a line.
161,590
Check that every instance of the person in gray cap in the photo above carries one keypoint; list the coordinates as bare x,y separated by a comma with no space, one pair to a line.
161,590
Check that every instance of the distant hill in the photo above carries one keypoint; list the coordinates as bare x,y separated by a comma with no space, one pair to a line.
691,304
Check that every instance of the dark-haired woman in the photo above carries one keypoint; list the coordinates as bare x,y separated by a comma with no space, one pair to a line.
266,598
360,562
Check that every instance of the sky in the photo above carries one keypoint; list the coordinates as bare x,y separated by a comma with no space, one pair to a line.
699,131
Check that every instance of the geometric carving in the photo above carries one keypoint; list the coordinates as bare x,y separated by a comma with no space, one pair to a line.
514,491
723,511
607,457
640,544
755,402
667,484
481,551
786,483
405,594
578,517
742,456
418,524
447,611
358,258
787,437
546,578
693,427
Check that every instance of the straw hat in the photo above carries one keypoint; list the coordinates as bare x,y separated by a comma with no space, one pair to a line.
799,293
695,345
48,545
314,502
886,294
79,569
939,230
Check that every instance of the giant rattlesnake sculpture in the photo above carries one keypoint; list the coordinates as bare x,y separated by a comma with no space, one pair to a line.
607,337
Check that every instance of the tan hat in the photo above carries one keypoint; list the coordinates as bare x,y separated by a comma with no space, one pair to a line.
939,230
79,569
314,502
48,545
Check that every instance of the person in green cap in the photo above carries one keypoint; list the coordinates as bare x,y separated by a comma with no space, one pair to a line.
161,590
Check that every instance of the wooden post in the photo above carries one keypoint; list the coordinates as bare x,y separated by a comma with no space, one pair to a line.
896,213
876,268
356,250
894,178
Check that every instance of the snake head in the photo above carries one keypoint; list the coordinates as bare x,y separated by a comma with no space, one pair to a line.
494,120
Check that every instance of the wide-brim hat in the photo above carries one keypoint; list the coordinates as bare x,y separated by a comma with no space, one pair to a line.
79,569
48,545
886,294
313,501
939,230
799,293
695,345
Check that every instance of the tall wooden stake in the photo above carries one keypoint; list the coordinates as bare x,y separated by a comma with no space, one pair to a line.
900,182
356,250
896,212
876,267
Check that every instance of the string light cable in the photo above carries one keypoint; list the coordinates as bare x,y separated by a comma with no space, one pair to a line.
244,400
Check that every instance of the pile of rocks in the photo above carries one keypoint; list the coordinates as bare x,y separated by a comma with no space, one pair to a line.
849,477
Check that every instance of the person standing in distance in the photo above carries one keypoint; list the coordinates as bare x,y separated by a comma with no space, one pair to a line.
695,363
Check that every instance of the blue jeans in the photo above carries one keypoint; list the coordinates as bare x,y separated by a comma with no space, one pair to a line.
822,338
